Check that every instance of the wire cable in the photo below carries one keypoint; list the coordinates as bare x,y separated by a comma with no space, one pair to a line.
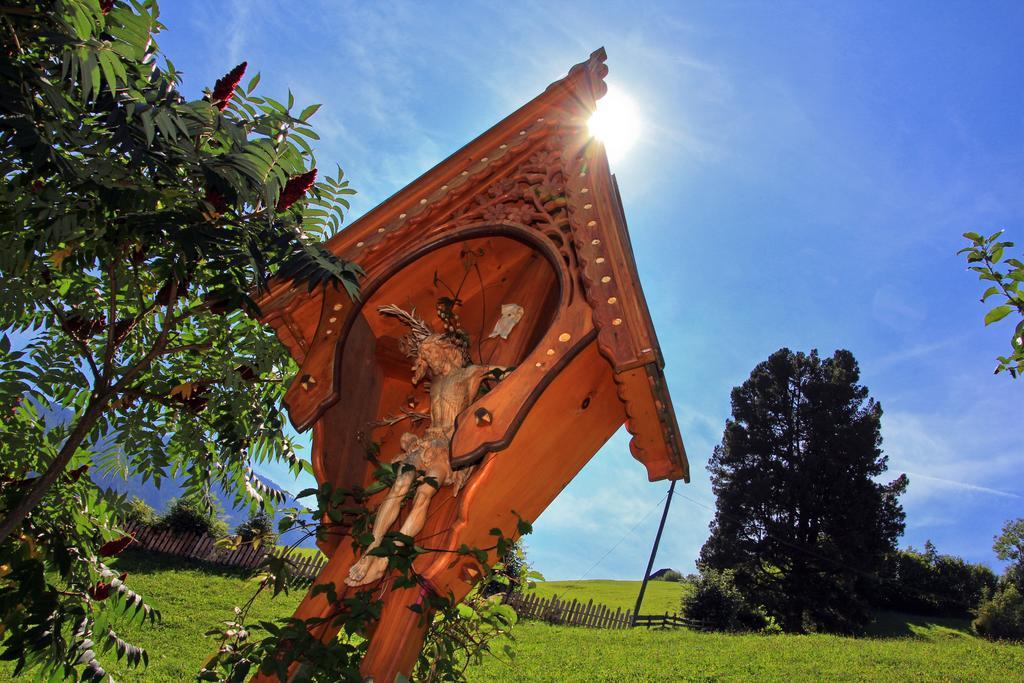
619,542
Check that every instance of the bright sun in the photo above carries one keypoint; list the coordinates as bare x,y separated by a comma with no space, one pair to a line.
616,123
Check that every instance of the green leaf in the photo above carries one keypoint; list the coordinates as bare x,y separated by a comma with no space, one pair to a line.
997,314
309,111
989,292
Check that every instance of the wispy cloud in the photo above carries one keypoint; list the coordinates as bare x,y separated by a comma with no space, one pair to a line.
961,485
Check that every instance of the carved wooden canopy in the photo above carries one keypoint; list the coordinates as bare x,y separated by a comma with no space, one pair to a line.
528,213
536,178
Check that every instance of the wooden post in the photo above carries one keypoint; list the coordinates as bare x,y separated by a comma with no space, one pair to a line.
654,551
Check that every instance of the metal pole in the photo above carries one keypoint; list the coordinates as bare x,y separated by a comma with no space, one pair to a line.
654,552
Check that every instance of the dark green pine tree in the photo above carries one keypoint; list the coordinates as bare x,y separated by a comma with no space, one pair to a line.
801,517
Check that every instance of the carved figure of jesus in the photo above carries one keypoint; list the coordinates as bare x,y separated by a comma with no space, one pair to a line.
454,384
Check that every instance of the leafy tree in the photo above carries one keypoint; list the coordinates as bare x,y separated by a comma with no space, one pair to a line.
190,516
1009,547
134,225
715,601
800,517
1001,617
257,530
932,584
511,574
985,256
140,512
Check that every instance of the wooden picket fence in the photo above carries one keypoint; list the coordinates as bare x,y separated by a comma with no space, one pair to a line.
306,568
669,620
203,548
569,613
590,614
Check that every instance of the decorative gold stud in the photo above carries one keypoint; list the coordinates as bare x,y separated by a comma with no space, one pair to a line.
564,337
591,224
332,319
588,206
612,300
550,352
606,279
599,259
336,307
595,242
617,321
359,244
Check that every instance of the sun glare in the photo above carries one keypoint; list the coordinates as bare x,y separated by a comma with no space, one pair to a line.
616,123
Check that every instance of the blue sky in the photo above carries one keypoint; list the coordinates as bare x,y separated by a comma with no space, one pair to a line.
803,177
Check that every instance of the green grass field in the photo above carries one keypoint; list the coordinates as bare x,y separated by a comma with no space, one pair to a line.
194,598
561,653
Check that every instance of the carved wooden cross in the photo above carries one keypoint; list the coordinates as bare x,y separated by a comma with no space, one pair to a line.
531,211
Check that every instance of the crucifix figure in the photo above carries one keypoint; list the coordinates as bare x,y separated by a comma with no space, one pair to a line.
454,383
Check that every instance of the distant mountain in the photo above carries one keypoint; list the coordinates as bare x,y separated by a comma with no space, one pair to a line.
158,497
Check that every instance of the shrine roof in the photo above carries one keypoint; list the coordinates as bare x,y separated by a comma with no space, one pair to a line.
606,264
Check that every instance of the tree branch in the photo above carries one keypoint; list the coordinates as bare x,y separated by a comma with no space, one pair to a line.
86,351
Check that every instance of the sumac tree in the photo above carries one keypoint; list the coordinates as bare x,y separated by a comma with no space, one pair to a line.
135,224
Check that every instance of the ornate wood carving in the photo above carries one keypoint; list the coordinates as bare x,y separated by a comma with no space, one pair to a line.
535,195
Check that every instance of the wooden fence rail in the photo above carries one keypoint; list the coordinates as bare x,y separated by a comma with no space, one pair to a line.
590,614
305,568
203,548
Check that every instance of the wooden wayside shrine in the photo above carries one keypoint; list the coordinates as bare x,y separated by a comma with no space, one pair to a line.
505,279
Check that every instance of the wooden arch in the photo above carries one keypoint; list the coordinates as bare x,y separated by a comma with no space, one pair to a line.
531,208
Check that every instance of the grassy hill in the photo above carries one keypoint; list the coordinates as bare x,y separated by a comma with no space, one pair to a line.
194,598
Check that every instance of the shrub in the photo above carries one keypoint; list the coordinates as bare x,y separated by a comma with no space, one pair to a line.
140,512
187,515
671,575
1001,617
512,574
257,530
716,602
933,584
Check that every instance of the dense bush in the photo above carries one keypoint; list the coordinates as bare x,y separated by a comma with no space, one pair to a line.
257,530
669,575
716,601
932,584
187,515
512,573
1001,617
140,512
